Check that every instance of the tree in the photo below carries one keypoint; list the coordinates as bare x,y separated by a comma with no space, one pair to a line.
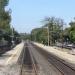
55,26
72,31
25,36
69,33
40,35
66,34
5,17
52,27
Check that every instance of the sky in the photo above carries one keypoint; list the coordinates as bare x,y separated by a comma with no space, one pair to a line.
28,14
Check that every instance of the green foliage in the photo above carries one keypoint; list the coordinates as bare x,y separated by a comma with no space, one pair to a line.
55,26
72,36
4,3
5,17
40,35
25,36
52,25
72,32
5,21
69,33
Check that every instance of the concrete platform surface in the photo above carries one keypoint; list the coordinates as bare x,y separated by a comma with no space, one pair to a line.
65,56
11,56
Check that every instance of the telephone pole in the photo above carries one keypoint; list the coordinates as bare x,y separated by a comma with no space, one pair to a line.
12,36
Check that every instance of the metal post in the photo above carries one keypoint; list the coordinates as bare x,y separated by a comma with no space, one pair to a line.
48,35
12,36
35,37
62,34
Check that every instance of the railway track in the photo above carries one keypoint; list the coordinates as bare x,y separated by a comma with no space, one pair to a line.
28,65
58,63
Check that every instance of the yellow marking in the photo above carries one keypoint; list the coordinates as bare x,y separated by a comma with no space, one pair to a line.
10,58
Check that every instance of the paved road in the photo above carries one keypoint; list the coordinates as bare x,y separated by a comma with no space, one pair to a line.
47,63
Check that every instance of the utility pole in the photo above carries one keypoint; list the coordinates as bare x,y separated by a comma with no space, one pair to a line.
12,36
48,34
62,32
35,36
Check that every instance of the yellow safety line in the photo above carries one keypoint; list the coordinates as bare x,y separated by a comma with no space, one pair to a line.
10,58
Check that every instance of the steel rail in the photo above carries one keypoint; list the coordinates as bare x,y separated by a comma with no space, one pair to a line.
22,60
32,60
33,63
56,68
53,59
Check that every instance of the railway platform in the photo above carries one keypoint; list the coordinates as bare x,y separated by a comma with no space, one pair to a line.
31,58
8,61
67,57
11,56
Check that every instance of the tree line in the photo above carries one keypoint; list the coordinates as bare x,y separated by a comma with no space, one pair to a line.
5,22
56,30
